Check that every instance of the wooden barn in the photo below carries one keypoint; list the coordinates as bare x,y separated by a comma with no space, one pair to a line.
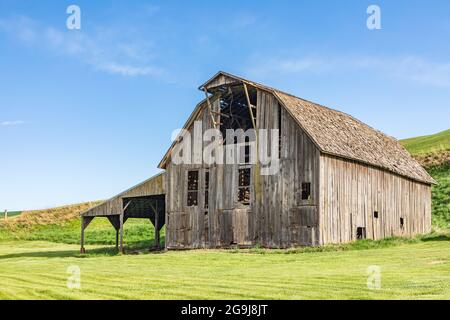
337,179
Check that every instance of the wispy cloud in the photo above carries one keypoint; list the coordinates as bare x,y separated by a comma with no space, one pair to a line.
414,69
151,9
242,21
11,123
104,50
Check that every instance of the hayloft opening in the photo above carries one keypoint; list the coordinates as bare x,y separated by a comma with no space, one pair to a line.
234,108
360,233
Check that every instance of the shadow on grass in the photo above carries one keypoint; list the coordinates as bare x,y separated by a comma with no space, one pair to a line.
61,254
145,247
436,237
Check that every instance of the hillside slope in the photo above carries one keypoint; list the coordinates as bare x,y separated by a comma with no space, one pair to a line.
434,143
430,151
433,152
57,215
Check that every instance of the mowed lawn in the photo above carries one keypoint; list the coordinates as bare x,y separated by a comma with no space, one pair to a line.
38,270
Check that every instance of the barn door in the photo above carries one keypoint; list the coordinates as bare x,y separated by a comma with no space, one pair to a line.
240,227
303,225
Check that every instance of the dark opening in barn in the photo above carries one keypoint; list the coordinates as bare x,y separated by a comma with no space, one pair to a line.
234,109
360,233
306,191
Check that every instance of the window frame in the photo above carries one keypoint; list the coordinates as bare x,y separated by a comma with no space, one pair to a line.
192,191
246,186
309,191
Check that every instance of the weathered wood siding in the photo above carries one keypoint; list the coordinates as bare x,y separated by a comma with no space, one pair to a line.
187,227
279,211
276,216
351,193
113,206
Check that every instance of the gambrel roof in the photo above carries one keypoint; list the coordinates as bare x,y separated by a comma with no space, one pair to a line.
336,133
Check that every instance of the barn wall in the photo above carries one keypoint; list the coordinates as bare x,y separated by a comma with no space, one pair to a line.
282,218
350,193
276,217
152,186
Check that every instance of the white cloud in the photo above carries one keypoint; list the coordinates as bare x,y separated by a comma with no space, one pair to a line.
413,69
424,72
105,50
11,123
127,70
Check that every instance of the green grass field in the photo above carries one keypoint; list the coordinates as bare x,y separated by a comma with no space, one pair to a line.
37,248
38,270
428,144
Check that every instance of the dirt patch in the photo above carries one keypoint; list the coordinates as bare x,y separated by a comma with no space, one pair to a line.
433,159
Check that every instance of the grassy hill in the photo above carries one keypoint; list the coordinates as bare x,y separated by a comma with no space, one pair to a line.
428,144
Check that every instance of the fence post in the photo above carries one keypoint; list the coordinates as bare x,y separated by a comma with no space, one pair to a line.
6,215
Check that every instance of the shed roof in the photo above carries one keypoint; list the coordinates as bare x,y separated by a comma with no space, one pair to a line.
339,134
150,187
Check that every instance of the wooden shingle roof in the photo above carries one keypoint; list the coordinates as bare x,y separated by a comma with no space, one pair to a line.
339,134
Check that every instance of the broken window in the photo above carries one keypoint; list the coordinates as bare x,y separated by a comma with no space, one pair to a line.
206,193
192,199
306,191
360,233
375,214
244,179
234,109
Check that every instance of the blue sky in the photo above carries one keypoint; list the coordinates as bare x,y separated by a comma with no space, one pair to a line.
85,114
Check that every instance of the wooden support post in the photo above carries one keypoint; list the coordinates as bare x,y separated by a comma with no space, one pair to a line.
117,239
82,249
157,241
121,232
85,221
210,109
250,109
156,225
